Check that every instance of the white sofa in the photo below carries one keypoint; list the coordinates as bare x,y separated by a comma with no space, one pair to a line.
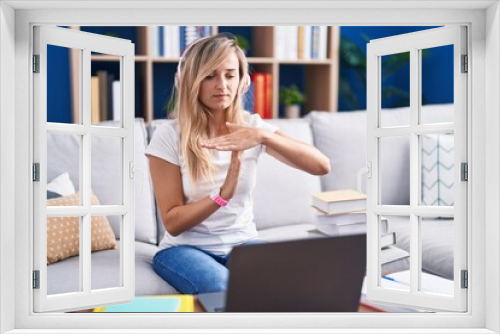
282,196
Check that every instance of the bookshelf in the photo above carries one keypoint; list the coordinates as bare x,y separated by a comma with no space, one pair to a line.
318,78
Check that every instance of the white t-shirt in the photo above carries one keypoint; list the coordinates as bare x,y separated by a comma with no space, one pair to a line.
230,225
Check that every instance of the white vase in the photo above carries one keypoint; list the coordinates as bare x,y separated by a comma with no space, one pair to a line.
292,111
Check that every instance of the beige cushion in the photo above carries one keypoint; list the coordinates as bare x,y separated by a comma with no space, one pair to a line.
63,233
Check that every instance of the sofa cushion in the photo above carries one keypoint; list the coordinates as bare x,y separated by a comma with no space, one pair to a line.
61,185
63,233
62,276
63,155
282,194
394,259
438,169
437,243
159,222
342,137
286,232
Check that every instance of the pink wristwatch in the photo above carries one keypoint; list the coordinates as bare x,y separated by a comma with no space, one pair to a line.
215,196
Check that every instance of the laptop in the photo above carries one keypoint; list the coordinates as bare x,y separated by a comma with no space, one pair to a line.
308,275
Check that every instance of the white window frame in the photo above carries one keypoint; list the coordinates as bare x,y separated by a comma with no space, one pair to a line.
414,43
484,103
85,43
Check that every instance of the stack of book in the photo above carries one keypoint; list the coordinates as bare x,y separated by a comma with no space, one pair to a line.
105,97
301,42
342,212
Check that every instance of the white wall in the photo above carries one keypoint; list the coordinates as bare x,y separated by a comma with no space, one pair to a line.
7,162
480,107
492,162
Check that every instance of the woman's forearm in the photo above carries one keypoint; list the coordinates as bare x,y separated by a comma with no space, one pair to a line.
295,153
184,217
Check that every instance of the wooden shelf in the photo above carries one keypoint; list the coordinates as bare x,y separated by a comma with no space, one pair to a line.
104,58
305,62
320,76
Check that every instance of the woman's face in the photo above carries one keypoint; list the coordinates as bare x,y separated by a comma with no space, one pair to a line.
219,88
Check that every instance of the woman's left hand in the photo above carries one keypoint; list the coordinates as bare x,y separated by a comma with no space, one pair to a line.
241,138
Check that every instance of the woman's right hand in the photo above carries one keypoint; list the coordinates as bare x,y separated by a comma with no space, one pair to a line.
228,188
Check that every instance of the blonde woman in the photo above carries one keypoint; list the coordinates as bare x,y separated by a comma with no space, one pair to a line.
203,166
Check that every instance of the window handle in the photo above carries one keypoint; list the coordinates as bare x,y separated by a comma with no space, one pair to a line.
368,171
133,170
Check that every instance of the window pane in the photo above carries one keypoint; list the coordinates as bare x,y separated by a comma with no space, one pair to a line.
106,262
394,260
105,89
437,255
395,170
395,86
437,85
63,248
63,85
63,166
106,168
437,169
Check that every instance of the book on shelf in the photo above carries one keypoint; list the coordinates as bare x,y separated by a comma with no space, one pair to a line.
154,42
105,97
170,41
322,46
307,42
268,95
111,79
263,94
103,94
292,42
280,44
339,201
191,35
301,42
116,100
95,114
258,82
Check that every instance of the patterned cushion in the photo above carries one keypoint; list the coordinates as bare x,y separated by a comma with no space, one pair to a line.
63,233
437,169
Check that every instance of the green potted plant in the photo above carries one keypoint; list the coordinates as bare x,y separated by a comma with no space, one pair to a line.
243,43
292,98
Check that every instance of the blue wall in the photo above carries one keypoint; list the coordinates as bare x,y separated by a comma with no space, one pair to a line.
58,85
437,70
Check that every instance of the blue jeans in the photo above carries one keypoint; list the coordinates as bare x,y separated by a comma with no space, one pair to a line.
191,270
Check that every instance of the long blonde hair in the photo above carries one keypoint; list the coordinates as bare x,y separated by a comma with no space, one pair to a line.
201,59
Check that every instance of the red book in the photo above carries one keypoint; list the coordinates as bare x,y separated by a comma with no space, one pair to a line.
268,104
258,80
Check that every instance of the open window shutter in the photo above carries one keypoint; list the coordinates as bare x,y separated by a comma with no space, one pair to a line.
418,212
84,296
